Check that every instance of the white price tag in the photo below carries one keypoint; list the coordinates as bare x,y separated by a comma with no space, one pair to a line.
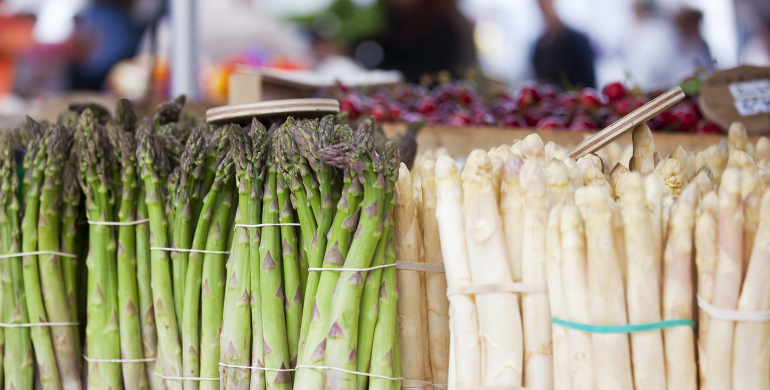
751,97
750,89
753,106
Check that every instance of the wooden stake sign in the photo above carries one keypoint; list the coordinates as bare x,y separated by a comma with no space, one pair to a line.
628,122
244,112
738,94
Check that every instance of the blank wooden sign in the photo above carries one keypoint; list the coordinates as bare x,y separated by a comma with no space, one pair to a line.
300,107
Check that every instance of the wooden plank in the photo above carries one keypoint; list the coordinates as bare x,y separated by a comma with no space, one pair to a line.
299,107
461,141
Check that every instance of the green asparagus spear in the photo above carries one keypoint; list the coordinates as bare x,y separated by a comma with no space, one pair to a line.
372,297
54,292
102,333
386,330
154,164
346,299
144,290
259,139
41,335
191,172
18,361
236,320
291,276
212,210
134,373
212,291
71,197
275,347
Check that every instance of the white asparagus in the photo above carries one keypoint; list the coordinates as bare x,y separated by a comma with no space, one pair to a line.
740,159
618,236
575,173
643,149
669,203
590,160
655,193
408,241
538,358
499,318
656,158
703,183
465,320
706,250
516,148
681,369
670,170
642,292
612,357
727,282
557,177
575,280
737,138
436,285
594,176
619,172
417,201
762,151
712,158
550,150
751,347
627,156
512,213
533,149
751,204
562,379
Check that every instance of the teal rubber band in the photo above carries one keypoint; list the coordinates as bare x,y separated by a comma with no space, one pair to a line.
623,328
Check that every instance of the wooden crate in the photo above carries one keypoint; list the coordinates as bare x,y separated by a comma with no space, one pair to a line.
460,141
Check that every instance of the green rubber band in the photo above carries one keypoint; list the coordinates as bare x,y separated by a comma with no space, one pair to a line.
623,328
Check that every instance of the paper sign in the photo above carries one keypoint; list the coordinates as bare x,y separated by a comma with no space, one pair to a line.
751,97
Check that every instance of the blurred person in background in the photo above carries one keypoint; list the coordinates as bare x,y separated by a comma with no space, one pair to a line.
651,51
694,50
104,34
757,49
421,37
562,56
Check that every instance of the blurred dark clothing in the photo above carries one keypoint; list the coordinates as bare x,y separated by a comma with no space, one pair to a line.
564,56
105,34
431,38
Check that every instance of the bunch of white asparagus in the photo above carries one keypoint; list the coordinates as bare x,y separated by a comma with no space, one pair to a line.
624,246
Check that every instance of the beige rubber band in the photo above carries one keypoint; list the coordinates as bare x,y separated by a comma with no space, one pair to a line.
495,288
183,378
35,253
417,266
258,368
86,358
351,372
138,222
733,315
36,324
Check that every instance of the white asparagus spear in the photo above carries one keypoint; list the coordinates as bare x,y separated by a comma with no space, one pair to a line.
670,170
575,173
642,292
751,203
536,317
644,148
436,285
575,280
737,137
656,158
616,179
512,213
703,183
618,236
532,148
607,305
590,160
557,177
465,320
762,151
594,176
751,347
740,159
499,318
654,192
417,199
408,242
669,203
706,250
712,158
727,282
562,379
627,156
550,150
678,293
516,148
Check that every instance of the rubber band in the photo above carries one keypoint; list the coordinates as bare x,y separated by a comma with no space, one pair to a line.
86,358
237,225
351,372
352,269
733,315
417,266
630,328
36,324
258,368
138,222
190,250
494,388
22,254
422,384
183,378
475,289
